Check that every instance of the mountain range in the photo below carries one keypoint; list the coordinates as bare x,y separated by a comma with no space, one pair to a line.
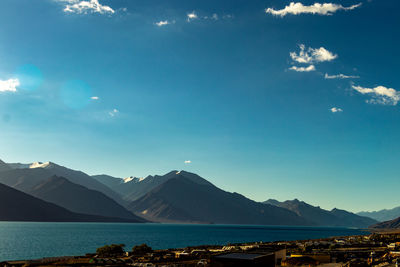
178,196
382,215
18,206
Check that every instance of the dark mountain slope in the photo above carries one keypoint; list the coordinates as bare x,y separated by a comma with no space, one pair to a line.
4,166
193,199
18,206
79,199
392,224
26,179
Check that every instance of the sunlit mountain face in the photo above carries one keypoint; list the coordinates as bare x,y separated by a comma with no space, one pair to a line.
272,99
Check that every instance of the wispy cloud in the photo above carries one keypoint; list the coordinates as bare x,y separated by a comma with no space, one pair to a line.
162,23
9,85
312,55
188,161
340,76
334,110
85,7
380,95
191,16
113,112
211,17
317,8
303,69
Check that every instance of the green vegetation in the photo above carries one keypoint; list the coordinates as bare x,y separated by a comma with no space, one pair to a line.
141,249
110,250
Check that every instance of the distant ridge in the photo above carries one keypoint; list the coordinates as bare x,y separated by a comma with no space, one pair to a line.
323,217
382,215
18,206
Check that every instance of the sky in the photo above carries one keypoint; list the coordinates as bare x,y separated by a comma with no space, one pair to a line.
271,99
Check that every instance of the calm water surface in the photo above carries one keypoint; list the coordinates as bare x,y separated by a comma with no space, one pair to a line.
27,240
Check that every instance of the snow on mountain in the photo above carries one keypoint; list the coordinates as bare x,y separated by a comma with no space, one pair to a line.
39,165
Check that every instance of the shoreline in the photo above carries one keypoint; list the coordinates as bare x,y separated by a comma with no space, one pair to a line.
339,245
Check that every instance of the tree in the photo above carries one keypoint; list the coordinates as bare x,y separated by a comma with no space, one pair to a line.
141,249
110,250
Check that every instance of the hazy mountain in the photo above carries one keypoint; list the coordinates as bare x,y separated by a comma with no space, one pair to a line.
26,178
392,224
186,197
351,219
323,217
382,215
133,188
18,206
4,166
19,165
79,199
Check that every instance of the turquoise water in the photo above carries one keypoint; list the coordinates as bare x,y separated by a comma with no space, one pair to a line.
27,240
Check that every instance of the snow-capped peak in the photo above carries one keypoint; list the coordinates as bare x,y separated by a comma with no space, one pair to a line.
134,179
39,165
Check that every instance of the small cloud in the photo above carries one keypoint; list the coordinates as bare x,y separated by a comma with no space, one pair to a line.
188,161
162,23
113,112
340,76
317,8
312,55
85,7
380,95
192,16
334,110
95,98
9,85
303,69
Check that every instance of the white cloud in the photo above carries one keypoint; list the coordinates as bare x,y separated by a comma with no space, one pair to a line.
340,76
334,110
85,7
191,16
317,8
9,85
162,23
303,69
95,98
188,161
311,55
113,112
380,95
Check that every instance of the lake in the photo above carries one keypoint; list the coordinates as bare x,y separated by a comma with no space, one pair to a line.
30,240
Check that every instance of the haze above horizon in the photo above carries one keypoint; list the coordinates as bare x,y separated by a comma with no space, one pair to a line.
268,99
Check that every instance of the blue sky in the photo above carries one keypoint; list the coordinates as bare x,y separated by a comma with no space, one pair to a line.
266,98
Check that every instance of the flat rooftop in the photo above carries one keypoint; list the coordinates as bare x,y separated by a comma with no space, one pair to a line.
241,256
